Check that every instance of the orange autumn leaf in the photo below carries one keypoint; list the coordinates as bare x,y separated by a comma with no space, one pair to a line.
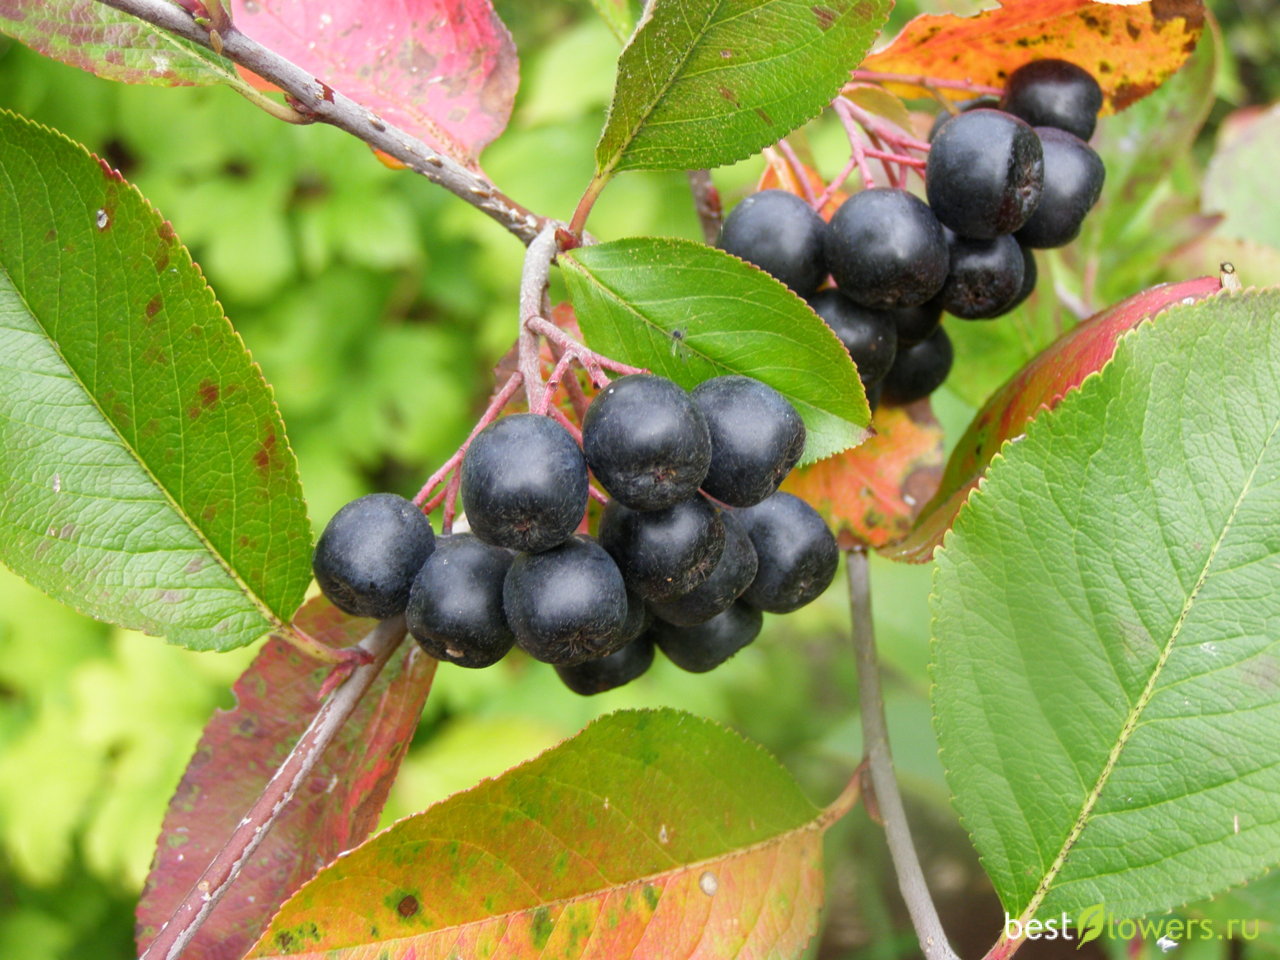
1131,49
780,175
872,493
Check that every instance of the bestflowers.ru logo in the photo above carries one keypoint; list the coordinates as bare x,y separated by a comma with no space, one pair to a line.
1094,922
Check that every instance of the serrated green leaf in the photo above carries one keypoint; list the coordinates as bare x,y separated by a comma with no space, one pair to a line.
707,82
1107,627
649,834
147,478
620,15
114,45
691,312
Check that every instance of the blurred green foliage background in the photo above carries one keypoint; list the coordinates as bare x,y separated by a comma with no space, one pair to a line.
377,304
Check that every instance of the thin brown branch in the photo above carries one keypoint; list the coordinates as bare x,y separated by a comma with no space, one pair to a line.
226,865
311,97
706,203
879,761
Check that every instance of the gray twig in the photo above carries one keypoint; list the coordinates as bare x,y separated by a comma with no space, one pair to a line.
706,203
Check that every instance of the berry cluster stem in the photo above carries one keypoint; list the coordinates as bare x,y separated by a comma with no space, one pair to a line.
928,83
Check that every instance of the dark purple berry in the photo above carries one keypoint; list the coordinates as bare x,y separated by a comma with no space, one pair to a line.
455,604
756,438
869,335
611,671
524,483
984,102
646,441
663,553
1029,276
985,278
370,552
1054,93
919,370
566,604
797,553
886,249
732,575
1073,176
705,646
916,323
984,174
780,234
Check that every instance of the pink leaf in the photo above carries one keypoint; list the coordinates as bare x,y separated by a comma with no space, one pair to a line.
443,70
334,810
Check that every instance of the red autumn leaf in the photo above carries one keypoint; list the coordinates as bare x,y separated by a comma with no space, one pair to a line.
1040,385
442,70
872,493
1130,49
334,810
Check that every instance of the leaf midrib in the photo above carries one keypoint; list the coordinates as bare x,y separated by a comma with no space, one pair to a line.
1135,712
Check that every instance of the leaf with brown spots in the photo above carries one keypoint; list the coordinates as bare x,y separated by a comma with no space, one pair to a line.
649,834
1130,49
336,808
872,493
442,70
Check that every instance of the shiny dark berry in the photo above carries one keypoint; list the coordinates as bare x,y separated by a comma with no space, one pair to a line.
705,646
886,249
984,102
646,442
780,234
732,575
664,553
919,370
984,174
1054,93
455,604
756,438
524,483
1073,176
370,552
797,553
916,323
870,335
1029,276
985,278
609,672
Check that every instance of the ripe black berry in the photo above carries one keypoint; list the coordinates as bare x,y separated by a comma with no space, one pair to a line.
886,249
756,438
984,174
611,671
916,323
369,553
1029,276
524,483
984,102
780,234
797,553
919,370
732,575
455,604
646,442
1054,93
663,553
1073,176
705,646
566,604
869,335
985,278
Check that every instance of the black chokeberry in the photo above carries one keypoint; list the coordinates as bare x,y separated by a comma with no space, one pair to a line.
886,249
756,438
919,370
646,441
916,323
524,483
984,174
1029,276
455,604
732,575
611,671
780,234
984,102
985,278
707,645
369,553
566,604
664,553
1073,176
1054,93
796,550
870,335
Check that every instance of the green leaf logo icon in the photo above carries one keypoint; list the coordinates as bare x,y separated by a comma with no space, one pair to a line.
1090,922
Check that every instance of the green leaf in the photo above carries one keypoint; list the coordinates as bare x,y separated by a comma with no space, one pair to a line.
1107,627
620,15
691,312
651,833
94,37
148,481
707,82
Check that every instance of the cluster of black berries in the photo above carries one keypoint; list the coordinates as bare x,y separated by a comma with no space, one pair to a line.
1000,182
695,542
